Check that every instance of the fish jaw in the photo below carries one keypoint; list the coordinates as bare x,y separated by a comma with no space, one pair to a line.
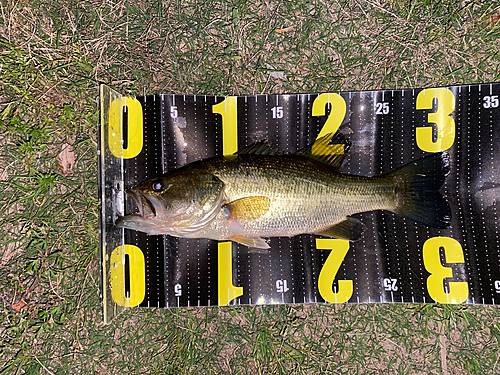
140,223
149,206
152,225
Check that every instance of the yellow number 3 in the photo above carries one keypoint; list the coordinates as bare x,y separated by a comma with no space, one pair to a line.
444,122
458,291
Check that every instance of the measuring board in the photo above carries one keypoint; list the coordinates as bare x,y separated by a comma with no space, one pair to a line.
396,260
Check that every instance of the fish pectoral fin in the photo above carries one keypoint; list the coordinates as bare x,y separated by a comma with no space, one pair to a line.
248,208
349,229
255,242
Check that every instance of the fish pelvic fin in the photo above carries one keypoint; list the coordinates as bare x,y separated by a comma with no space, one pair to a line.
349,229
253,242
416,188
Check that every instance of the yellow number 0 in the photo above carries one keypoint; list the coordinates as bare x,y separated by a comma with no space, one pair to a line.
137,275
135,128
444,122
459,291
329,271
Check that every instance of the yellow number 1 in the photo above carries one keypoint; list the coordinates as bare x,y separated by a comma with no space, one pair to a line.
228,110
227,291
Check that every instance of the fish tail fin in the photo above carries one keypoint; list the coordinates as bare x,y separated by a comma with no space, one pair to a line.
416,189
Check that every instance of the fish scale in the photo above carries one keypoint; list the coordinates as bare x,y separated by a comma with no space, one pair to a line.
305,197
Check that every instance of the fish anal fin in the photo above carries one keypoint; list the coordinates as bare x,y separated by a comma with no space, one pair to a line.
349,229
248,208
253,242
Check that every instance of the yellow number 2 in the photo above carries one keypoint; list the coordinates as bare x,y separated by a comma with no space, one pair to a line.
444,122
333,121
458,291
329,271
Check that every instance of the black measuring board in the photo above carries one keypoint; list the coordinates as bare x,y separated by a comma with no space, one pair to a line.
396,260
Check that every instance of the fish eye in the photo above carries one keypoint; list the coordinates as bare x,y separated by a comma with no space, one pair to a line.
157,185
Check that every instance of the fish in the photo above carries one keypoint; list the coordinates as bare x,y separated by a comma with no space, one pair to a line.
259,192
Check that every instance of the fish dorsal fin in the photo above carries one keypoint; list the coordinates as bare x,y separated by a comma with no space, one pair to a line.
248,208
349,229
258,148
330,149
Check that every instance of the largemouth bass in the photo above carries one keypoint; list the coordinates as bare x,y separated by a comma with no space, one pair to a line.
259,192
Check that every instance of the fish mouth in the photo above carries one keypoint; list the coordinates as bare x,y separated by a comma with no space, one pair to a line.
146,220
140,201
149,206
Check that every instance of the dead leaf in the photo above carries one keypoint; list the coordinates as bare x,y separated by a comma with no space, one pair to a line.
18,306
286,29
66,158
275,73
493,20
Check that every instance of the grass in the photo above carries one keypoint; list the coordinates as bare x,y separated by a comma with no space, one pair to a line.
54,54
